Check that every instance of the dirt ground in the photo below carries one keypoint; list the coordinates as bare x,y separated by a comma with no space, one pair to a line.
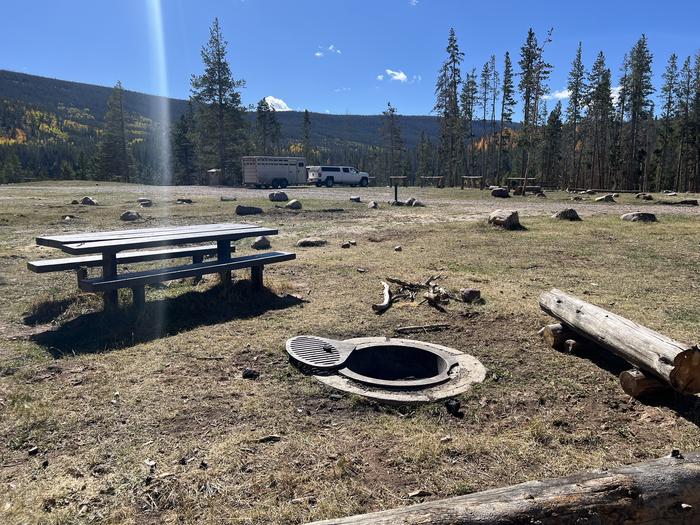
148,419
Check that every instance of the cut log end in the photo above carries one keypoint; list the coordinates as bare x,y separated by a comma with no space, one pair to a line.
685,376
636,383
555,335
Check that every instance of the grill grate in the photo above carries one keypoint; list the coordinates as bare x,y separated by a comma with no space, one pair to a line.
319,352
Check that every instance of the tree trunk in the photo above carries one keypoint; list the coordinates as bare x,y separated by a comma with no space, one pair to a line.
670,361
657,492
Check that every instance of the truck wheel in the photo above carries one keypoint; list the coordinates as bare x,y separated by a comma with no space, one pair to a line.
284,183
364,182
318,184
329,182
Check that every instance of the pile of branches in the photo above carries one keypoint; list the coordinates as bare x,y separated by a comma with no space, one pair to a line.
426,292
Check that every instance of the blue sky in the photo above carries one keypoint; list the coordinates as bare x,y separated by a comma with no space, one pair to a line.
332,56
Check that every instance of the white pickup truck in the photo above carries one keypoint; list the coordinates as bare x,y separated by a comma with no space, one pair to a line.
330,175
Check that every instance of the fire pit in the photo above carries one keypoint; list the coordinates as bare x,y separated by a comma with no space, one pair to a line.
397,370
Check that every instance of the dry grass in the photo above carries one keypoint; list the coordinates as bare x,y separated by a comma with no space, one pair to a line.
99,397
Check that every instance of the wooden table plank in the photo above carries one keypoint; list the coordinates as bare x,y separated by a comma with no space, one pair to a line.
57,241
116,245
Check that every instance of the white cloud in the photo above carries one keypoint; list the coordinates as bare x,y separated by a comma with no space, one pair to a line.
380,77
397,75
318,54
615,94
413,3
331,49
334,49
558,95
342,89
277,104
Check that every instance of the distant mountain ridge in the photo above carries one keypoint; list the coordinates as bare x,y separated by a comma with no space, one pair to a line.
55,95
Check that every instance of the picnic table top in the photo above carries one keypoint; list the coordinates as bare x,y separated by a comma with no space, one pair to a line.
118,240
472,177
432,177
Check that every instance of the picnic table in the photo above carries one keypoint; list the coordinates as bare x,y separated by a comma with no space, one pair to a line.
474,181
435,181
112,248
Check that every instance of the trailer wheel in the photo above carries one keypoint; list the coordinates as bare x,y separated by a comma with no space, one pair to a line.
318,184
364,182
283,183
329,182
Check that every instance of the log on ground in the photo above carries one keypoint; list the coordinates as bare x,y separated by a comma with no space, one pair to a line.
675,363
660,491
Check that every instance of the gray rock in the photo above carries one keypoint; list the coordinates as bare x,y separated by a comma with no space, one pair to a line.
648,197
672,194
372,205
507,219
418,204
75,201
130,215
310,242
294,204
398,248
589,192
249,373
569,214
639,216
248,210
278,196
345,245
470,295
355,198
541,195
352,242
605,198
409,201
501,193
88,201
145,203
226,198
260,243
616,195
184,201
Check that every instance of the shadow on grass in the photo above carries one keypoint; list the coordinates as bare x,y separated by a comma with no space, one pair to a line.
686,406
102,331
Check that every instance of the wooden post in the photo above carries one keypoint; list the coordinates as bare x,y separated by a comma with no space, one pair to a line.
223,253
396,191
256,277
138,295
657,492
462,183
109,269
674,363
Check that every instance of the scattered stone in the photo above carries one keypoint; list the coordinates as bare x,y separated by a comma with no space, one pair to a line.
361,270
249,373
335,397
409,201
75,201
419,494
396,203
87,201
248,210
272,438
418,204
507,219
352,242
605,198
226,198
569,214
145,203
501,193
470,295
446,439
33,451
278,196
589,192
355,198
130,215
345,245
639,195
672,194
616,195
684,202
68,218
294,204
260,243
183,201
639,216
648,197
398,248
541,195
453,408
372,205
311,242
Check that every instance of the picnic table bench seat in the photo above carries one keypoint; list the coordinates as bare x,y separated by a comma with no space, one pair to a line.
90,261
142,278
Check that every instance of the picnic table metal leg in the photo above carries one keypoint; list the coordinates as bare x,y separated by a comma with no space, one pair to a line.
109,269
196,259
223,253
256,277
139,297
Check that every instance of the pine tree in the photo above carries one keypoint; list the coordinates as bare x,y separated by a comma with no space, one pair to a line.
451,149
425,158
267,128
684,99
220,113
507,105
306,137
666,135
577,92
551,151
639,90
184,148
484,104
598,119
393,144
113,160
468,102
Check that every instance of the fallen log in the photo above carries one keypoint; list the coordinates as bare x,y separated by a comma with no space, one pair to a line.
674,363
386,303
636,383
665,490
555,335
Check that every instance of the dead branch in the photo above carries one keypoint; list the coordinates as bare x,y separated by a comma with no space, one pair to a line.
386,303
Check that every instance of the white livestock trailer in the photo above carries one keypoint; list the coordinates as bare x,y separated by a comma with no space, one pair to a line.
275,172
